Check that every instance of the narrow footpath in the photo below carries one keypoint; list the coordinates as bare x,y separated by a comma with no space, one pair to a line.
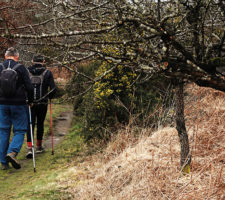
14,183
61,127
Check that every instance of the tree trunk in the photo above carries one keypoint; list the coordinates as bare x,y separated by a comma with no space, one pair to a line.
185,157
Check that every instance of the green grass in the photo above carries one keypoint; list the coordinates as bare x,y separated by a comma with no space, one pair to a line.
25,184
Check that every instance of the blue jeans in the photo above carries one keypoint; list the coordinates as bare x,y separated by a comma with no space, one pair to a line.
16,116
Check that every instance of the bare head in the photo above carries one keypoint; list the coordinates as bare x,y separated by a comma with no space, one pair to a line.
12,53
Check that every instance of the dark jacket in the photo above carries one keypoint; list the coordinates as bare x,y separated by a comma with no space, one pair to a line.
24,87
48,81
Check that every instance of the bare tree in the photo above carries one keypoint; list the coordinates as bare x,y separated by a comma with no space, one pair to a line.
182,39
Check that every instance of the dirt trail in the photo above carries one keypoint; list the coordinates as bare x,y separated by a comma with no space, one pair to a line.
61,126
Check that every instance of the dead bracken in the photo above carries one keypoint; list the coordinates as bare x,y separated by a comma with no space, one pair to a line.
148,167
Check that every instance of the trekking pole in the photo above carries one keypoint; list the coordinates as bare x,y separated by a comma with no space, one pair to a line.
51,125
32,139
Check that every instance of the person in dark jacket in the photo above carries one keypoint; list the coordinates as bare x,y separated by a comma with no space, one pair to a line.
13,112
44,89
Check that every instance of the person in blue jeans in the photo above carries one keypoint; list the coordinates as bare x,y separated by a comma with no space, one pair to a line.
14,111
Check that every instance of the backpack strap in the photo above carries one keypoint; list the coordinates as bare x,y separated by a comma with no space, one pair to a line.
16,66
3,67
44,72
42,79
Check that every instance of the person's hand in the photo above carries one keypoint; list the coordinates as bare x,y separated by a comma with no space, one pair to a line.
29,103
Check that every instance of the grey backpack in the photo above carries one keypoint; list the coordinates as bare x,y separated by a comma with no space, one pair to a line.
37,81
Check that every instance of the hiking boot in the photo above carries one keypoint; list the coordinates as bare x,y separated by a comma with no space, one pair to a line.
5,166
29,154
39,149
11,157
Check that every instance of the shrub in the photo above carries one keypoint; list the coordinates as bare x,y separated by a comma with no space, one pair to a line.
117,98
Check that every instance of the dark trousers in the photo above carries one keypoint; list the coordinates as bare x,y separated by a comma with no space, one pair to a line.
38,114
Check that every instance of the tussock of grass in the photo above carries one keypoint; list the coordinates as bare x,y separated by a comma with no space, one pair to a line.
148,167
131,167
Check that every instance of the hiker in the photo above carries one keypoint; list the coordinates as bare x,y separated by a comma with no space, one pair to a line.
42,80
15,88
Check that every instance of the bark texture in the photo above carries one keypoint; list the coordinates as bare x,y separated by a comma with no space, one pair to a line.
185,157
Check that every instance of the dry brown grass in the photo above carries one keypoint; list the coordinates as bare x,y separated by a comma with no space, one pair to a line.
148,167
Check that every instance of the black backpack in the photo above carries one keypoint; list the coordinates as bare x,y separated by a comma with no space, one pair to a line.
8,80
37,81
